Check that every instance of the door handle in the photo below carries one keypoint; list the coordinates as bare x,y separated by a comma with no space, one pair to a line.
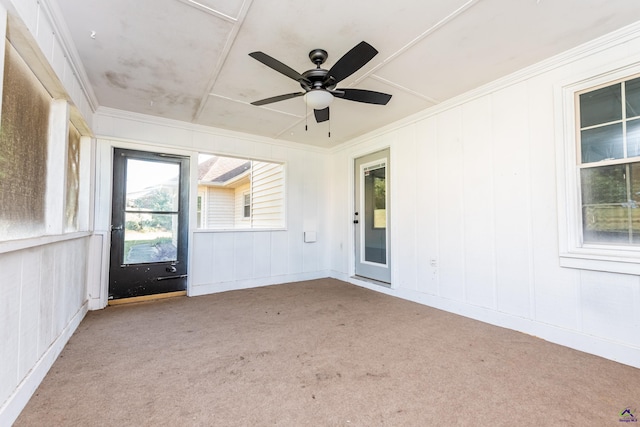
182,276
171,269
116,227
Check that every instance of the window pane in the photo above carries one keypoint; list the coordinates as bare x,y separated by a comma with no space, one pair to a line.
73,179
633,97
152,186
241,193
602,143
605,224
634,180
150,238
247,205
633,138
601,106
23,150
635,225
606,184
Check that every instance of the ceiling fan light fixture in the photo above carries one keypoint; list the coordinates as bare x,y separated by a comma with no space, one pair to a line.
318,99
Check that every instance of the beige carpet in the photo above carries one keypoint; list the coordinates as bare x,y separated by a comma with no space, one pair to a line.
319,353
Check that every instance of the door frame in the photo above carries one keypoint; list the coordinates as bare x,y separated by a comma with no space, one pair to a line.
99,295
148,275
353,208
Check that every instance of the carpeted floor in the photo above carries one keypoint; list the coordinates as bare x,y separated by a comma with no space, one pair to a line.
319,353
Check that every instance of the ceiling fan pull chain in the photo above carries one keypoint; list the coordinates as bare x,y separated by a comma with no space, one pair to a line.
306,117
329,128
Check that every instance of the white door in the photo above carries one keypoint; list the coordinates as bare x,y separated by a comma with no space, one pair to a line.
371,217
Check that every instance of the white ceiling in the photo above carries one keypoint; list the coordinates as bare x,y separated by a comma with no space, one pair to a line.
189,61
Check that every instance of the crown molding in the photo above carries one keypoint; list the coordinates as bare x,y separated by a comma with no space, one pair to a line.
192,127
54,15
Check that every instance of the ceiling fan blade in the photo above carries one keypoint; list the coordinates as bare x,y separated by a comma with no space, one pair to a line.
361,95
321,115
277,98
278,66
351,62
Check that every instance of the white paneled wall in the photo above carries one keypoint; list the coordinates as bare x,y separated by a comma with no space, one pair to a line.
223,260
43,288
474,211
43,297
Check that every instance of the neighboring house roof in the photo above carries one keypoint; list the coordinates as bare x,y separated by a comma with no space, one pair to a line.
221,169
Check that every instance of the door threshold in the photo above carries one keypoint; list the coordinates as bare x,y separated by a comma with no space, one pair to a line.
144,298
373,281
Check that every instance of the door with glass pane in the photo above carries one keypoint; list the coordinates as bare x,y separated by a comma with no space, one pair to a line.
371,217
149,224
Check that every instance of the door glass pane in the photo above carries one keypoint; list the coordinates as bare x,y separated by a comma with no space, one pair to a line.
150,238
601,106
375,214
602,143
152,186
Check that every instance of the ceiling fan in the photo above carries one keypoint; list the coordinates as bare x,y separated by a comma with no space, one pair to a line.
320,85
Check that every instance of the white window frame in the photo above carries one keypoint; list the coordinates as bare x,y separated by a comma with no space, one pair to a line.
573,252
245,205
249,221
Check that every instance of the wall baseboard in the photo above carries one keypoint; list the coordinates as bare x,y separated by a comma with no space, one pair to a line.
615,351
212,288
14,405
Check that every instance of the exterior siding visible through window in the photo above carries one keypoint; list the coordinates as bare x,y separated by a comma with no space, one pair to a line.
609,163
241,193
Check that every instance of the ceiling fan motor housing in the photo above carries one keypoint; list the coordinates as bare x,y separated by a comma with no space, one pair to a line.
318,79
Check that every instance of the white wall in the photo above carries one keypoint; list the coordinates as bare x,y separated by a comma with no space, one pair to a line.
219,260
42,301
474,211
43,288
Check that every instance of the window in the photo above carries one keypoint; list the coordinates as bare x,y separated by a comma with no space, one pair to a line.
237,193
247,205
598,165
609,163
23,150
72,179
